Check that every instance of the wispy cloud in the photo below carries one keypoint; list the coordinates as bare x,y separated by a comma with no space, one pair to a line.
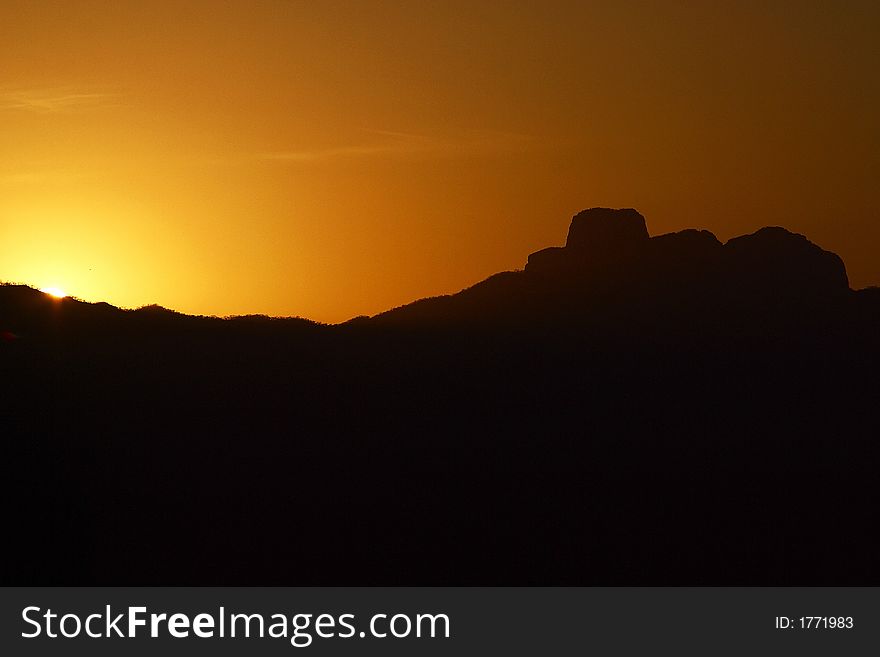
42,177
327,153
386,143
53,100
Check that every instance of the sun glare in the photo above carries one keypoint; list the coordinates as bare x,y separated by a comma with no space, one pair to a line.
56,292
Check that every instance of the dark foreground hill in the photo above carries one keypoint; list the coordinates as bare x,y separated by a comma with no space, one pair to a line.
625,410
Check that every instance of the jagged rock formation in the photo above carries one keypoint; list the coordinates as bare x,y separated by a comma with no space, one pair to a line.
611,267
604,228
597,237
601,238
776,258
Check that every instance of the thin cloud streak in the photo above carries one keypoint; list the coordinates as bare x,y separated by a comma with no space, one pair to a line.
53,100
401,144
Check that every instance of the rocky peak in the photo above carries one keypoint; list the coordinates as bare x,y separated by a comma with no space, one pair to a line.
601,228
774,256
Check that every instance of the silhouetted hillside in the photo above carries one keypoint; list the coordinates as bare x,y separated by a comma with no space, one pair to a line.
610,264
626,409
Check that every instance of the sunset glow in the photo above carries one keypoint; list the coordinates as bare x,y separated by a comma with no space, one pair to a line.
56,292
335,159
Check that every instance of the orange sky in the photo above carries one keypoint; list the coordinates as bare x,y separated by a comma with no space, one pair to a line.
330,159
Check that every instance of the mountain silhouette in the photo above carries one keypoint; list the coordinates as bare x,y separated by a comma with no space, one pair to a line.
625,409
610,270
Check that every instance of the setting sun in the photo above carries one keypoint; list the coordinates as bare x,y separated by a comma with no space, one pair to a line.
56,292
